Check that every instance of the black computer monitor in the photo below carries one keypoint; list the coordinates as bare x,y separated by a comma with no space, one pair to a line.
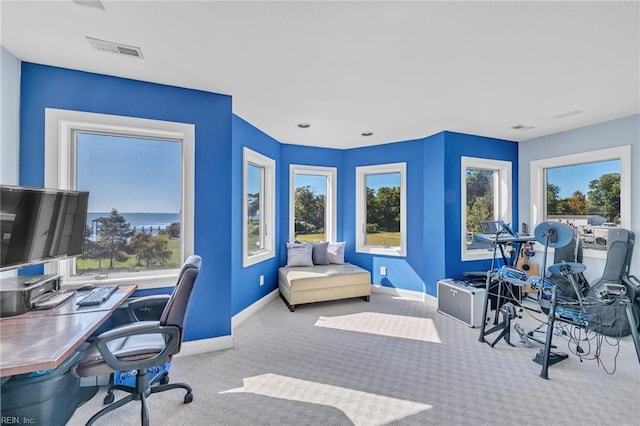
39,224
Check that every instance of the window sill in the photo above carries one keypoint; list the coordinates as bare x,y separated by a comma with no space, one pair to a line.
143,282
483,255
391,251
257,258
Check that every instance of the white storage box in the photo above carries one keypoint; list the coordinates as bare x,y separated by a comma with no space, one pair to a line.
461,302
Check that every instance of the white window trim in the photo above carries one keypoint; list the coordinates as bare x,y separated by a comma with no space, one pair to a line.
361,208
502,201
269,220
60,165
330,209
538,184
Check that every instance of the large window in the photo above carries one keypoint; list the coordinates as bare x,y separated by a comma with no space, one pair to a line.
259,207
486,195
381,220
312,211
589,191
139,174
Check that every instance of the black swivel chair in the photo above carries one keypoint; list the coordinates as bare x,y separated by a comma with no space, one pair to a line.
141,345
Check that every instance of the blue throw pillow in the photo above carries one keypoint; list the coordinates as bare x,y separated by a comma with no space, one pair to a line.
319,253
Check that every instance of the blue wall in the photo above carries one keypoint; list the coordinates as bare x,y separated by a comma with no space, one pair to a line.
308,156
434,200
613,133
402,272
225,287
433,206
50,87
459,145
246,288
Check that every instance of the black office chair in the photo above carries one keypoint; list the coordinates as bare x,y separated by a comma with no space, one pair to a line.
141,345
610,318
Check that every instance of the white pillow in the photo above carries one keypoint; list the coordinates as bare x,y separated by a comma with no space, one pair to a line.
299,254
335,253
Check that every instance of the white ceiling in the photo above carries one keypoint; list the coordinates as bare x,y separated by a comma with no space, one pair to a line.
402,70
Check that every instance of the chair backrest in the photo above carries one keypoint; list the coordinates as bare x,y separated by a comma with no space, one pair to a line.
175,311
619,250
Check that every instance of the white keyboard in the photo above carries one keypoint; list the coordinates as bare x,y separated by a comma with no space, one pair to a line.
502,238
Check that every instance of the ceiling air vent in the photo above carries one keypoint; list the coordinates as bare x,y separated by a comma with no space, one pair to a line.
569,113
117,48
521,127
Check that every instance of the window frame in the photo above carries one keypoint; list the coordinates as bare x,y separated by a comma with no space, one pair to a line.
268,204
538,183
361,209
61,126
503,200
330,209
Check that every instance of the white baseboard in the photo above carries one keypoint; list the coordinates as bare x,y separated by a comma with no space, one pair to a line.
405,294
246,313
201,346
221,343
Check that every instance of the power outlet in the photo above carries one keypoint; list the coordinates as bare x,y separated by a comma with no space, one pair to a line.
383,271
261,279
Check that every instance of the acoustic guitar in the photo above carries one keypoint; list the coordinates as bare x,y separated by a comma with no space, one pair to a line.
527,251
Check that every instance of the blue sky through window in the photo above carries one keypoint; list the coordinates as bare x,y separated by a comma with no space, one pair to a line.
317,183
254,175
133,175
577,177
379,180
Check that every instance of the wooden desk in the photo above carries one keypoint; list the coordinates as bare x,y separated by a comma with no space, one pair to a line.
39,340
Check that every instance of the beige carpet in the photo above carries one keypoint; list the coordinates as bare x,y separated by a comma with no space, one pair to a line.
391,361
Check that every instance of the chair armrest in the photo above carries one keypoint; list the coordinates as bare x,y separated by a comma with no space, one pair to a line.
172,341
146,301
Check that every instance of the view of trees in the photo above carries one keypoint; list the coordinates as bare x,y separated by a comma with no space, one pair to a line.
254,205
253,217
309,211
383,209
480,197
602,199
116,242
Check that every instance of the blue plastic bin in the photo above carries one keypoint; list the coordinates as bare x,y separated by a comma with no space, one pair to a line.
128,378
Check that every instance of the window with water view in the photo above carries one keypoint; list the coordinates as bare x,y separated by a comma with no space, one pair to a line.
134,216
259,207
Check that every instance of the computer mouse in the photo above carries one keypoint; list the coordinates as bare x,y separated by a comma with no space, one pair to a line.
86,287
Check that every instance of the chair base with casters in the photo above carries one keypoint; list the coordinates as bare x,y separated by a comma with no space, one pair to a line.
141,345
143,388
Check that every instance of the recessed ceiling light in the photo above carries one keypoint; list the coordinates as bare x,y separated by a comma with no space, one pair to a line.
521,127
367,133
569,113
304,125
